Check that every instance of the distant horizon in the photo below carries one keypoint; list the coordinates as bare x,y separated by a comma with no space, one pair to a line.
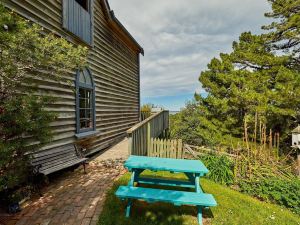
171,103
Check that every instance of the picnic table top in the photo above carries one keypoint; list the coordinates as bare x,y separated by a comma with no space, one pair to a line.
165,164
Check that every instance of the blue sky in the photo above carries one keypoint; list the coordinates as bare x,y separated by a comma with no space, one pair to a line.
173,103
180,37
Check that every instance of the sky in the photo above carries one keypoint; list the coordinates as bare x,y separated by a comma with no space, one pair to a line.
180,37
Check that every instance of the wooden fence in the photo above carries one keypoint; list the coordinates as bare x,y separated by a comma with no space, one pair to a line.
139,136
197,151
145,114
164,148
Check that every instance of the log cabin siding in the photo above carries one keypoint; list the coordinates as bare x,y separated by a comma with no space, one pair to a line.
114,64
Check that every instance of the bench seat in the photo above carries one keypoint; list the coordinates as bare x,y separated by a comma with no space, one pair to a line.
170,196
55,159
62,166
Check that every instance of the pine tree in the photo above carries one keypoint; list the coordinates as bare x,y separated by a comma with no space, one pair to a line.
251,80
284,31
258,83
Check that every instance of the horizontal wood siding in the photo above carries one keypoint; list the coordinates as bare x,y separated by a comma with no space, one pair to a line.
115,69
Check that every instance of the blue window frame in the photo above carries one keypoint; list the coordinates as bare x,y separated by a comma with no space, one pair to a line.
85,101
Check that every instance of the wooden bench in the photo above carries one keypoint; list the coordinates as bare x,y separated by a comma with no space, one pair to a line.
55,159
177,198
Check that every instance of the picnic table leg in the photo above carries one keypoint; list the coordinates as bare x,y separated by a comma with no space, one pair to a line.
130,183
128,207
198,190
137,174
191,177
134,177
199,216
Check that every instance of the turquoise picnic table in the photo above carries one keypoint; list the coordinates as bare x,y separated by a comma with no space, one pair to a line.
193,169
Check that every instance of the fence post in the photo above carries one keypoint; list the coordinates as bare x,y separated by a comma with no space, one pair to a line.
180,149
148,136
139,135
129,144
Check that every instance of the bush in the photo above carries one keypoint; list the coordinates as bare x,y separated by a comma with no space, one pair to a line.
21,115
220,168
27,51
282,192
146,111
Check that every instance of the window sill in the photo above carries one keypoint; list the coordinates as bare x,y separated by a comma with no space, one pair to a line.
86,134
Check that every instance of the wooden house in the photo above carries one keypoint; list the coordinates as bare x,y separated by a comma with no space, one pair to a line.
107,98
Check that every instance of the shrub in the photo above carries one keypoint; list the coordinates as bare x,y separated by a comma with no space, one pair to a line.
22,115
146,111
26,53
220,168
282,192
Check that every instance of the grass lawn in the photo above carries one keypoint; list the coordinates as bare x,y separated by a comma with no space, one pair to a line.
233,208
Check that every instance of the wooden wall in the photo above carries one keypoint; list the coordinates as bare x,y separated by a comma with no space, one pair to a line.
115,68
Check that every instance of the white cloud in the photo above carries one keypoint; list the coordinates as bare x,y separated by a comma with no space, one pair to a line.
181,36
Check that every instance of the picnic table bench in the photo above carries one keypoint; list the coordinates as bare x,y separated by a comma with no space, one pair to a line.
193,169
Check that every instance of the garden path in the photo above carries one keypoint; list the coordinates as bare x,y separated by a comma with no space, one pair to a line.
74,197
120,150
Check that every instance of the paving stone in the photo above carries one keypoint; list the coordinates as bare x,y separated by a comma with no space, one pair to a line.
46,222
74,198
93,222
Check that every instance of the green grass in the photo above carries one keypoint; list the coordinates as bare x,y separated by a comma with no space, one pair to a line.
233,208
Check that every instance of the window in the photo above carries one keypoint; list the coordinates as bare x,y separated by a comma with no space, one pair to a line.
85,101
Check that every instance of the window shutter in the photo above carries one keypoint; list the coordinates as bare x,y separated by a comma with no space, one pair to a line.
77,20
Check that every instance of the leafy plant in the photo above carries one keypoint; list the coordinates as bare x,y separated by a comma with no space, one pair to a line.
220,168
282,192
28,54
22,115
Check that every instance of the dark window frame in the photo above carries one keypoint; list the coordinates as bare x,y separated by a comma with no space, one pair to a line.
80,85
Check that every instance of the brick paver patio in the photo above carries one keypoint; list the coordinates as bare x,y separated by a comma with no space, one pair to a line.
72,198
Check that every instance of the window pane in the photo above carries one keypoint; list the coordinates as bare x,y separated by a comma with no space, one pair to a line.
89,123
82,114
82,102
82,93
87,77
83,124
88,94
89,114
81,77
88,103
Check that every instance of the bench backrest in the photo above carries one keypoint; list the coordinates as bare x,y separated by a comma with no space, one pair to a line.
55,157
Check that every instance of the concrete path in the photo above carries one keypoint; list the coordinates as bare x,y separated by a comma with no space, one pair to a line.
118,151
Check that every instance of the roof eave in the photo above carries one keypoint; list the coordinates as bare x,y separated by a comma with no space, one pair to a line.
113,19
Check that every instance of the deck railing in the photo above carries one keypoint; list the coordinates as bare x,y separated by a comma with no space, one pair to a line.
139,136
145,115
